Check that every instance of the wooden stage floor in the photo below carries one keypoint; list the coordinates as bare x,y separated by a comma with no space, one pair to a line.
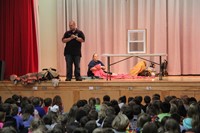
71,91
165,79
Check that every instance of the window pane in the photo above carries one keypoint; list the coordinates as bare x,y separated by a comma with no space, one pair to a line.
136,36
136,46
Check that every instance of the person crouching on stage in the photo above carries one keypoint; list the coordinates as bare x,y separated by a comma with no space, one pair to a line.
91,66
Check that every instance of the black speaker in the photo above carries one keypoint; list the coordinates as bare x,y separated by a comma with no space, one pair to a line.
2,69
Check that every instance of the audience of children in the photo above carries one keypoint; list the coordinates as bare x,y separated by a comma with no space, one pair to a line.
31,115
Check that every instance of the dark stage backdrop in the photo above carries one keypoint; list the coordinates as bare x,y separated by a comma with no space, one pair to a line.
18,45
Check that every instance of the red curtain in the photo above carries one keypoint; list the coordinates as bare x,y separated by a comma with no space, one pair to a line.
18,45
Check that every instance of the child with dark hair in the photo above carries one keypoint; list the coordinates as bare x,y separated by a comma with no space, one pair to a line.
149,127
72,114
36,103
161,128
115,105
9,120
72,126
142,119
192,100
136,111
84,120
106,98
128,111
18,118
98,104
92,115
47,122
131,99
90,126
192,121
57,100
147,100
87,108
107,123
79,114
138,101
153,109
16,98
80,103
10,101
172,126
47,104
122,101
54,113
177,117
155,97
60,128
92,102
27,116
165,108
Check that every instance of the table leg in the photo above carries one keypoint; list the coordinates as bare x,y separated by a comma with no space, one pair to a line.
160,73
108,62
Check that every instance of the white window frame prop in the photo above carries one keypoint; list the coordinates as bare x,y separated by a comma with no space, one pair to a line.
138,44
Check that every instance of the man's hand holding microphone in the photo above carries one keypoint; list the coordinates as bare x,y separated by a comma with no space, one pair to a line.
74,36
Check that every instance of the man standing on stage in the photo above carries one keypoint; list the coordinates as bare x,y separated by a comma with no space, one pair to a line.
73,39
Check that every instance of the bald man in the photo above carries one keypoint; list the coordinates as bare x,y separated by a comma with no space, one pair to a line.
73,39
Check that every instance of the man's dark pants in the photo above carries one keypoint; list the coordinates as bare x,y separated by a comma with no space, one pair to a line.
70,60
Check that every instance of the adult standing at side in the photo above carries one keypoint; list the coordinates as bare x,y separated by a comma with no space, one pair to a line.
73,39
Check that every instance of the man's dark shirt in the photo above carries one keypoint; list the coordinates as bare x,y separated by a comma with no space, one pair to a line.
73,47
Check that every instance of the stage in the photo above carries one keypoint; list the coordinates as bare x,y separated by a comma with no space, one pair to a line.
71,91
